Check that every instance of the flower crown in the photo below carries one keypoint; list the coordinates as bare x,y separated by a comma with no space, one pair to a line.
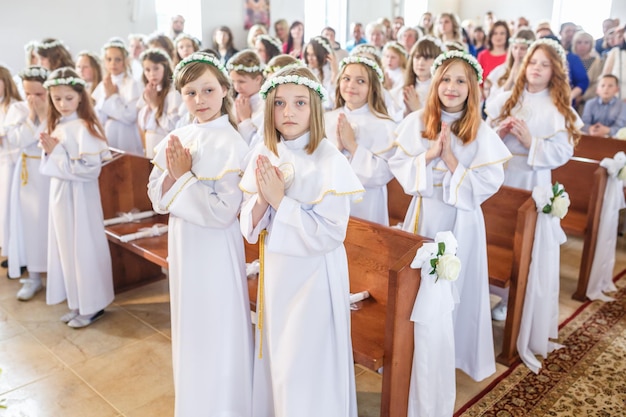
520,41
395,45
293,79
454,44
275,68
115,43
362,60
187,36
240,67
275,42
48,45
434,40
462,55
324,43
159,51
552,43
64,81
30,46
365,49
34,72
89,54
200,57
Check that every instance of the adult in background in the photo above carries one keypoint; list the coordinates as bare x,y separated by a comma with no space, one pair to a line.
329,33
582,46
178,26
357,36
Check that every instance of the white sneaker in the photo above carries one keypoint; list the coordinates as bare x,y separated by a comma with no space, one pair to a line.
84,321
69,316
498,313
30,287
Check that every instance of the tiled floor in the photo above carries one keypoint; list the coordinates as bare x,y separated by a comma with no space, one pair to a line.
121,365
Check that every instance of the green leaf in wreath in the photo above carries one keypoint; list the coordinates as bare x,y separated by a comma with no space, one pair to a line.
547,209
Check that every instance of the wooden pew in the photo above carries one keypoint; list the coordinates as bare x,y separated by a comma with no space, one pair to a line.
585,181
379,261
123,187
597,148
397,202
510,219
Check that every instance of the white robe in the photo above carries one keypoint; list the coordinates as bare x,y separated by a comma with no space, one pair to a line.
421,88
451,201
28,214
155,130
249,127
79,261
307,366
211,330
8,157
374,138
118,113
551,146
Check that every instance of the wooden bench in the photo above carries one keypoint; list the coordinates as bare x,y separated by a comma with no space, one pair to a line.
597,148
510,225
510,220
585,182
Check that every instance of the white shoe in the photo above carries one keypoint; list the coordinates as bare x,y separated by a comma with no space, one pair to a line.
498,313
30,287
69,316
84,321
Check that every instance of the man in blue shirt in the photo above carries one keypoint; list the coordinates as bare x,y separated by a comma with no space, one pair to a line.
606,114
357,36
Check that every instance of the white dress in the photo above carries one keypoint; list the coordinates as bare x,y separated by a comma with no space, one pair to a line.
28,213
306,369
374,138
118,113
79,261
551,146
8,157
155,130
210,309
421,88
249,127
444,201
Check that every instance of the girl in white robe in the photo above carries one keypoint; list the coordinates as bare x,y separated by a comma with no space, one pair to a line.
537,123
28,213
298,190
9,95
195,179
394,64
116,100
160,102
363,131
79,261
246,73
319,56
450,161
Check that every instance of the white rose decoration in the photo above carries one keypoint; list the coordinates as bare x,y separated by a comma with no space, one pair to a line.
622,174
448,267
560,205
621,134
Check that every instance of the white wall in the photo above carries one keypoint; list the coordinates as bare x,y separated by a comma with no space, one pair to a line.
533,10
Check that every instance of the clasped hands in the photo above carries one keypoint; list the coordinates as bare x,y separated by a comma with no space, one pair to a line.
516,127
345,135
442,148
270,183
178,158
47,142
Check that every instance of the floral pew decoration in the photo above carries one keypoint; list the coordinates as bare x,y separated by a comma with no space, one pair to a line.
601,275
432,389
540,316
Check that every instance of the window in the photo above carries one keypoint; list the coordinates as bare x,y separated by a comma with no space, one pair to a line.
189,9
579,12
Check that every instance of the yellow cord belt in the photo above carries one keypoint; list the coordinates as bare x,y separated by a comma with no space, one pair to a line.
261,294
417,213
24,173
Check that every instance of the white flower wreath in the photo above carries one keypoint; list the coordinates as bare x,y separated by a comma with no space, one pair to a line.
520,41
271,40
434,40
115,43
550,42
324,43
458,54
200,57
48,45
362,60
187,36
154,51
293,79
395,45
64,81
275,68
241,67
365,49
34,72
30,46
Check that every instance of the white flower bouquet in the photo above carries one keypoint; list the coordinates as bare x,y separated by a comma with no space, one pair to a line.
551,200
440,256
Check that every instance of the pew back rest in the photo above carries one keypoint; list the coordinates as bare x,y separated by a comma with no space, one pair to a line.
397,202
597,148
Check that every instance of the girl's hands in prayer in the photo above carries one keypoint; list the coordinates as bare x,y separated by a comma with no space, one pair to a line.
270,181
178,158
47,142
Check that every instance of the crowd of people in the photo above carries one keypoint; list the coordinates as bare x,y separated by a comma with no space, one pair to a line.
280,143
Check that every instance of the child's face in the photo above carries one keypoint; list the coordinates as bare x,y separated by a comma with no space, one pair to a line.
445,25
354,86
421,67
35,92
114,61
391,59
185,48
83,68
538,71
246,85
519,51
154,72
311,58
607,89
292,110
136,48
204,96
260,50
65,99
453,88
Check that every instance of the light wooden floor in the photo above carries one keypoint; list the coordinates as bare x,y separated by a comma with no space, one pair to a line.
121,365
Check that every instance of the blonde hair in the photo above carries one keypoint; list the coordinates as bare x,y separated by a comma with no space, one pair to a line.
85,109
397,49
466,127
375,95
316,125
194,70
96,67
10,89
456,27
246,58
525,34
558,86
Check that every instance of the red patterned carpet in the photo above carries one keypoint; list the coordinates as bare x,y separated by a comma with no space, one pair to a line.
585,378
